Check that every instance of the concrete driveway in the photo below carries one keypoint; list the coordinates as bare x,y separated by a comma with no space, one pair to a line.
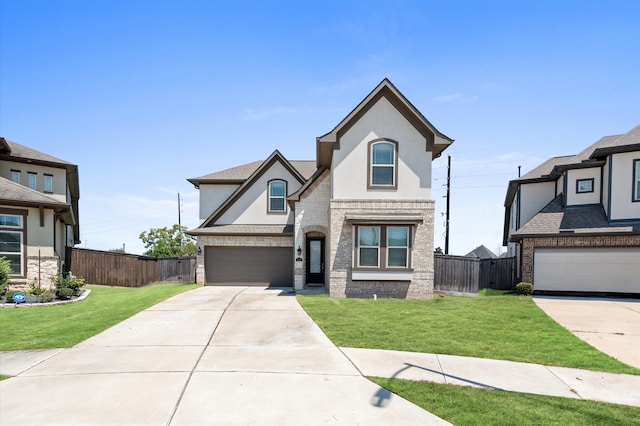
214,355
610,325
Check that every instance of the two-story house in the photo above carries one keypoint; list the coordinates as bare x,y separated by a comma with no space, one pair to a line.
357,220
38,212
574,221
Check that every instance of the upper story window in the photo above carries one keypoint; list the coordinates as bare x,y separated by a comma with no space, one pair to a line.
11,237
277,195
15,176
584,185
636,180
32,179
48,183
383,164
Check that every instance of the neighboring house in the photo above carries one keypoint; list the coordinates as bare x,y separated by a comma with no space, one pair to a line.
358,219
38,212
574,222
481,252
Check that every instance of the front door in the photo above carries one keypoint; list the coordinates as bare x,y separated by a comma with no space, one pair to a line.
315,260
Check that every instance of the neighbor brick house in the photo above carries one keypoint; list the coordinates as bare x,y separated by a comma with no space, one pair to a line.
358,219
38,212
574,221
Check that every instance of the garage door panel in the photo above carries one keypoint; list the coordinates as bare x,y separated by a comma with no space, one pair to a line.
255,266
587,269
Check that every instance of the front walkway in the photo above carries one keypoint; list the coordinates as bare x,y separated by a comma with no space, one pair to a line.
214,355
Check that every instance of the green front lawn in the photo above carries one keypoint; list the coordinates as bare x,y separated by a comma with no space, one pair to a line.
463,406
493,325
64,326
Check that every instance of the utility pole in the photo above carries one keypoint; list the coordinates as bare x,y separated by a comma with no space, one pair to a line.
446,235
179,223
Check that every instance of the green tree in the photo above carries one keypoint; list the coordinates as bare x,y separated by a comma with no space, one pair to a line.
168,242
5,271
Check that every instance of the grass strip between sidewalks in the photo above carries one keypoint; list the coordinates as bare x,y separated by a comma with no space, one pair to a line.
64,326
492,325
467,406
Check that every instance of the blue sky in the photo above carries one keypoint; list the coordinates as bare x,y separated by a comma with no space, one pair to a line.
145,94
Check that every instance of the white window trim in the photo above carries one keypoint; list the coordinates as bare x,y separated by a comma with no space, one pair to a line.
358,247
33,175
283,197
406,265
636,181
19,230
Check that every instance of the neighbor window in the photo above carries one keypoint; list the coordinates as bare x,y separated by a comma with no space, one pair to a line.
383,247
11,236
382,159
636,180
277,194
48,183
32,180
15,176
584,185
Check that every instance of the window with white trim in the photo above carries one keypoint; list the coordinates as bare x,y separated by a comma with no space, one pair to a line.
382,157
15,176
32,180
277,195
383,247
48,183
11,237
636,180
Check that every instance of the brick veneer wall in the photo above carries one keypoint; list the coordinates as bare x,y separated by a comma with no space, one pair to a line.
341,250
237,241
311,215
529,245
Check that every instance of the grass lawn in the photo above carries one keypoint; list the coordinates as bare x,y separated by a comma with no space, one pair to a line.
493,325
463,405
64,326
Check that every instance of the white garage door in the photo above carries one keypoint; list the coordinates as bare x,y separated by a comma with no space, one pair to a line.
615,270
255,266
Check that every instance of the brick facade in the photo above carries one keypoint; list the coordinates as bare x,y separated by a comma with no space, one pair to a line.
341,250
530,244
311,217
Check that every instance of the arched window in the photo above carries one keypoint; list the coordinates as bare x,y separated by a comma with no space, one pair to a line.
383,164
277,195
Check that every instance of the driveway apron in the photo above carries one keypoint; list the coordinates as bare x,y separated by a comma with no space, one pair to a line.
214,355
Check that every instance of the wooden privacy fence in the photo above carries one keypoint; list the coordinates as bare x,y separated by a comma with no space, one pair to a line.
128,270
470,275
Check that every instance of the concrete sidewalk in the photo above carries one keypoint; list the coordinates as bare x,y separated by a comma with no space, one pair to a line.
214,355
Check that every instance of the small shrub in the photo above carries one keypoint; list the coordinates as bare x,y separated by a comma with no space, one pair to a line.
47,296
9,295
5,272
65,293
36,290
525,289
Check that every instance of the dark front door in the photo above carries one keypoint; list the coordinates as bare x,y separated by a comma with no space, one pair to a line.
315,260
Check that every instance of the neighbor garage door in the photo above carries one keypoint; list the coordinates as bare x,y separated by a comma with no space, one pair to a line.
587,269
257,266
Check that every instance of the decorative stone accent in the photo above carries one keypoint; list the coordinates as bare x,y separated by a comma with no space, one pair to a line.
529,245
341,250
47,268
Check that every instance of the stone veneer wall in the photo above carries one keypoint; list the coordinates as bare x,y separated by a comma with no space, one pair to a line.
311,215
341,250
529,245
237,241
46,267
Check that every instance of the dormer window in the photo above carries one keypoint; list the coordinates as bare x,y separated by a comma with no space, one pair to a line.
383,164
277,194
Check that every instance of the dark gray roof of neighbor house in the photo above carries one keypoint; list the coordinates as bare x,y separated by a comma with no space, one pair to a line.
285,230
545,168
241,173
481,252
556,219
15,193
20,151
